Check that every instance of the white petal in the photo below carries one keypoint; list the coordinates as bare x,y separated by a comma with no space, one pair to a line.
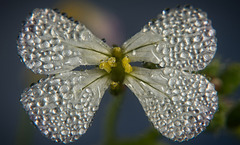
63,106
51,43
179,104
181,38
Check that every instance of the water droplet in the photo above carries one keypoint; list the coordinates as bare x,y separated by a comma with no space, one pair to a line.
196,39
66,52
82,131
165,51
145,29
73,61
184,55
45,44
176,48
212,48
206,57
188,103
175,98
171,82
167,71
177,123
166,59
162,64
48,66
45,59
211,33
160,47
64,89
85,95
37,40
85,35
64,132
175,91
134,52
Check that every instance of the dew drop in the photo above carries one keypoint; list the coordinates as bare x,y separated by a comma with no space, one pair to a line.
160,47
66,52
211,33
64,89
165,51
134,52
167,71
184,55
37,40
64,132
206,57
45,44
171,82
48,66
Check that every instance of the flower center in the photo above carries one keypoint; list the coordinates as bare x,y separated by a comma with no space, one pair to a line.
117,66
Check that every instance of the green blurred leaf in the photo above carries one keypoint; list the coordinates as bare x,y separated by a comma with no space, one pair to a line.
111,120
213,69
151,137
25,130
233,119
230,79
219,120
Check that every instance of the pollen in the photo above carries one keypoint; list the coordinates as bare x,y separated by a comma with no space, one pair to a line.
126,64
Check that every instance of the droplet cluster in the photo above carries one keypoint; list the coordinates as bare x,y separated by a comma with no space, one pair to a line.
188,38
61,107
44,43
185,106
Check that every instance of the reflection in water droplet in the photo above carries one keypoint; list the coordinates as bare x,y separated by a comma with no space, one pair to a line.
134,52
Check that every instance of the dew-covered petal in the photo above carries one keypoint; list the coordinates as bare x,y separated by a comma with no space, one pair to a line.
63,106
50,43
179,104
180,38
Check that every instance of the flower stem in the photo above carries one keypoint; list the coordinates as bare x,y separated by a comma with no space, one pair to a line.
111,120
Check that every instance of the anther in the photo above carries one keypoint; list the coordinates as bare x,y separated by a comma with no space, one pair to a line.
112,61
125,63
104,65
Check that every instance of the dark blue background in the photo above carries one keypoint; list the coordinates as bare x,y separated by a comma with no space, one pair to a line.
133,14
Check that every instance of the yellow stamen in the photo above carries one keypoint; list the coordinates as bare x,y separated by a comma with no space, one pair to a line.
114,85
125,63
128,68
112,61
104,65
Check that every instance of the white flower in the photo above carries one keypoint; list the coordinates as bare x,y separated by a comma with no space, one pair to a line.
178,103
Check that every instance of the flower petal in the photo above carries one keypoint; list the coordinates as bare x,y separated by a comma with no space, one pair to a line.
181,38
63,106
179,104
50,43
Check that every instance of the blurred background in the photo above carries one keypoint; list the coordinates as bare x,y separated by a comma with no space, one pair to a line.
117,21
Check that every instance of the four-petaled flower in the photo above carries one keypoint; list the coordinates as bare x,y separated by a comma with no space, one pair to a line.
180,104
